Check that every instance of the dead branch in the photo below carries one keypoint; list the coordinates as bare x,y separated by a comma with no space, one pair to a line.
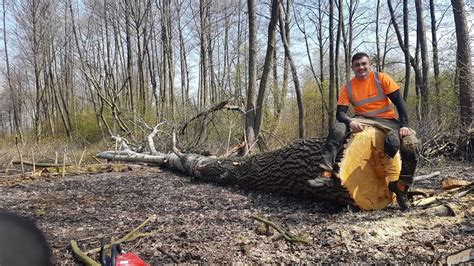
42,165
150,142
217,107
167,254
175,149
423,177
82,256
123,143
285,234
132,235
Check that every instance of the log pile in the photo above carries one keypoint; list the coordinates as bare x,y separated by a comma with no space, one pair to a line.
459,145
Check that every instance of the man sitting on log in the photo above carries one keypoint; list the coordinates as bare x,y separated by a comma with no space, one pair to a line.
372,94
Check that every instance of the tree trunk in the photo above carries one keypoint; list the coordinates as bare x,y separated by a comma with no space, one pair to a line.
362,179
347,37
13,92
434,43
266,67
321,62
204,85
405,48
332,108
131,93
377,38
463,63
324,107
252,87
421,36
299,100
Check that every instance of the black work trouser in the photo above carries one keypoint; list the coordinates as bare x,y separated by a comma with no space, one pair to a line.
392,144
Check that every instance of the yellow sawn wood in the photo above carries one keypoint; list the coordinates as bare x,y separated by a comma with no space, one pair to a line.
365,171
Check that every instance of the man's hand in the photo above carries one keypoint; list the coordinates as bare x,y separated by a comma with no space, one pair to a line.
405,131
356,127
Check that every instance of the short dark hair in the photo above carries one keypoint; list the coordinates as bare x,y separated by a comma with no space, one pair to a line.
358,56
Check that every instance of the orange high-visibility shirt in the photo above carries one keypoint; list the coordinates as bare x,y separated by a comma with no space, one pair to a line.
366,98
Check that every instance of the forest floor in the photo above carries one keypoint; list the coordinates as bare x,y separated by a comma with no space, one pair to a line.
205,223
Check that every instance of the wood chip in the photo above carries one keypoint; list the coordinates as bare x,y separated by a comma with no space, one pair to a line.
451,183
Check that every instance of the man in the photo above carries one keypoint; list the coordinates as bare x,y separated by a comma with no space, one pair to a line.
372,95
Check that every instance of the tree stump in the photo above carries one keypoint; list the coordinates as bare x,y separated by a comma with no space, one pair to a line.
365,170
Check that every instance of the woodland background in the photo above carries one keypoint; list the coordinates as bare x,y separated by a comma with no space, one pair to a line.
80,71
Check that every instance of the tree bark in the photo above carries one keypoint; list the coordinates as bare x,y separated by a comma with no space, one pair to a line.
252,87
332,108
266,67
377,38
421,37
13,92
463,63
204,84
324,107
405,47
299,100
319,34
296,164
434,43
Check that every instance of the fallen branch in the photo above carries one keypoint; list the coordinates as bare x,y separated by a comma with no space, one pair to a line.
42,165
423,177
167,254
425,202
285,234
82,256
132,235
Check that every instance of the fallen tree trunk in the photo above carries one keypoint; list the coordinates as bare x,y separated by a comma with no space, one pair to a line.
285,170
362,180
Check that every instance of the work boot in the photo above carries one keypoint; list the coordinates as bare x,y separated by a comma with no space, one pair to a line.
325,166
403,198
323,180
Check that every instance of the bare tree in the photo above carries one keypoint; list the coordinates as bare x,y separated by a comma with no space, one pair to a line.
266,67
13,91
204,76
405,45
324,107
331,66
377,37
434,44
421,38
405,48
252,87
299,100
35,19
463,63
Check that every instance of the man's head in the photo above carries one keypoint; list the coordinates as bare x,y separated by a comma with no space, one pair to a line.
361,65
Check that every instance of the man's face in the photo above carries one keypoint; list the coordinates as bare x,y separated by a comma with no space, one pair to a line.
361,67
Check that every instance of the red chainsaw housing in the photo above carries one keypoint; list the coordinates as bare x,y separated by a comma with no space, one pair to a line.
129,259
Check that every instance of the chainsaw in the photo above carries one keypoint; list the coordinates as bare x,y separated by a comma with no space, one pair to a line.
118,257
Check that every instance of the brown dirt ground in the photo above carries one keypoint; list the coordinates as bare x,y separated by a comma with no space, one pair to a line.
205,223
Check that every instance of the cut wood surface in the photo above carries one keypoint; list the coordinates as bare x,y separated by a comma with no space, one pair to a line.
366,171
451,183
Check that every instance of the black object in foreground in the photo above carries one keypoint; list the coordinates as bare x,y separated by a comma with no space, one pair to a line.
21,242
